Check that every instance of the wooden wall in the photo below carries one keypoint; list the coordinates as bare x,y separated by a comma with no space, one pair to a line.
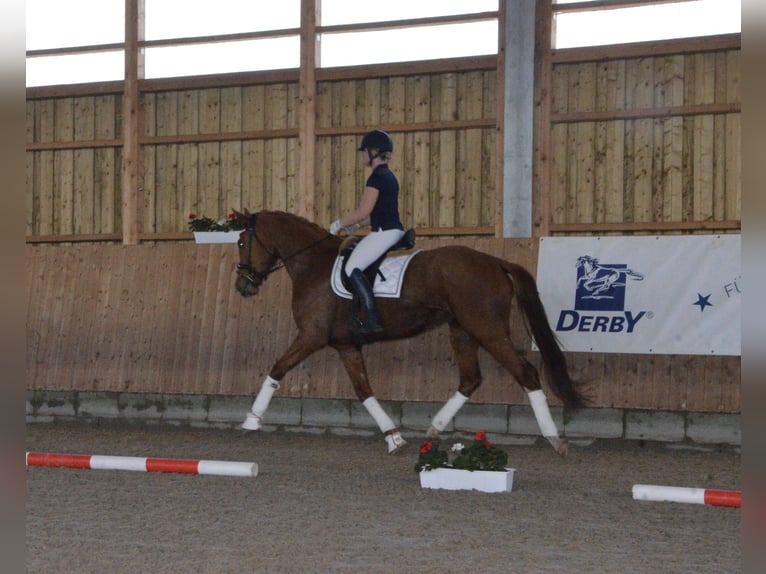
165,318
208,150
647,139
187,175
643,140
446,168
73,165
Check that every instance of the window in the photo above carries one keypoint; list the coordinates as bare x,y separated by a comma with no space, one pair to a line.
407,44
229,17
406,41
194,37
52,24
653,21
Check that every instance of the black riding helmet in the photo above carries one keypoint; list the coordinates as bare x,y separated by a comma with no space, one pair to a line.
379,140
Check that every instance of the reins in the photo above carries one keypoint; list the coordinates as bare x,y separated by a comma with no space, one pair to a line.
253,273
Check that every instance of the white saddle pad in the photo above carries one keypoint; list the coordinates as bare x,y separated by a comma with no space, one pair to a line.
392,269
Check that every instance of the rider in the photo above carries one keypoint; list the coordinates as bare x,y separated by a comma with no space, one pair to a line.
378,207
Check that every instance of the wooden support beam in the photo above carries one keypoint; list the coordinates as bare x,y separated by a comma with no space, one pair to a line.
134,70
542,208
500,122
307,88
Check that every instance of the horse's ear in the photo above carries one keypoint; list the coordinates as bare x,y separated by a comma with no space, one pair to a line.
243,218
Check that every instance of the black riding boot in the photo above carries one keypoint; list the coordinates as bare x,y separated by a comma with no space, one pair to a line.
363,291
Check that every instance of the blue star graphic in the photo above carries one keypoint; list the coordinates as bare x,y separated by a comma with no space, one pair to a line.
703,301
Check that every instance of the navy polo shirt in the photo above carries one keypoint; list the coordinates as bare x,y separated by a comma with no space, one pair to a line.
385,214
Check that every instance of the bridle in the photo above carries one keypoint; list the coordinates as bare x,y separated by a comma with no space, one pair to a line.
253,275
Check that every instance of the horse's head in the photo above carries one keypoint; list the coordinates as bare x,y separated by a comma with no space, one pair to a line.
256,260
586,261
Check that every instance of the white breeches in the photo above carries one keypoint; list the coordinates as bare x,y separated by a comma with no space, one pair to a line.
371,247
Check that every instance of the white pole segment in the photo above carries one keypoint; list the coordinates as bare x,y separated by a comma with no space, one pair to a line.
227,468
542,413
668,493
104,462
376,412
448,411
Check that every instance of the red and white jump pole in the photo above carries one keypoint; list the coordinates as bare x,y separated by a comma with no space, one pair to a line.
101,462
711,497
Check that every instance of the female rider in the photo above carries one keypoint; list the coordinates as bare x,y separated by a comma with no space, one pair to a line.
378,207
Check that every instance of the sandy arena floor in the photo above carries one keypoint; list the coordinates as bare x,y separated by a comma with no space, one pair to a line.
324,504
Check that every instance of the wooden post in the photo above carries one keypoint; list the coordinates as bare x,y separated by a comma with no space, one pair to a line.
307,180
500,121
134,69
542,208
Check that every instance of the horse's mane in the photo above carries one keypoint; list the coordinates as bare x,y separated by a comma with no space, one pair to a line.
296,219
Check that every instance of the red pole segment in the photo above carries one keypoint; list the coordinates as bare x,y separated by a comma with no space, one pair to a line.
68,460
723,498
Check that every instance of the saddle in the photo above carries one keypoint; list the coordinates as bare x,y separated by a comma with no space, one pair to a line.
347,247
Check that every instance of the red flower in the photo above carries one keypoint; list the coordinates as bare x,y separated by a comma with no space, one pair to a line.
487,444
481,435
192,216
425,447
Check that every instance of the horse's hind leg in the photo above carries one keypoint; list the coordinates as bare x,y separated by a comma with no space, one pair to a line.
527,376
466,354
353,361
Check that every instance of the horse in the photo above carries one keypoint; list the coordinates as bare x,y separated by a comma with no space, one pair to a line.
597,278
469,290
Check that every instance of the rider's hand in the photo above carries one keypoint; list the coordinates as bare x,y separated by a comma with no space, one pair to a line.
351,228
335,227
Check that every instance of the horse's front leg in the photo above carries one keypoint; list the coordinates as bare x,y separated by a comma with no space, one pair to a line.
467,356
353,361
299,350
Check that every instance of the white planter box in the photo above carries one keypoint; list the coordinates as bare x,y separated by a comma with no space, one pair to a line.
216,236
456,479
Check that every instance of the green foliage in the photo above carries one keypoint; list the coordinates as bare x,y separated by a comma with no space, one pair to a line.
202,223
481,455
431,457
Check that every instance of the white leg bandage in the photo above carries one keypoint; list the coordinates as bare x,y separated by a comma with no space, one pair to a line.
542,413
260,404
448,411
394,441
376,412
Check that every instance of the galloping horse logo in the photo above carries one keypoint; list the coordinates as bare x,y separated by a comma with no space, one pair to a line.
602,287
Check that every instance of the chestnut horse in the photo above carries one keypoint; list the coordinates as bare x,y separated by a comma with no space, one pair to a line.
469,290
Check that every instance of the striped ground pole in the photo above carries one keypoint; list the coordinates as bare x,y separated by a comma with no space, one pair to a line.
103,462
707,496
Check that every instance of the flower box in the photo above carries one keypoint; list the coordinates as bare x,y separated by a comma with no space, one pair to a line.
459,479
216,236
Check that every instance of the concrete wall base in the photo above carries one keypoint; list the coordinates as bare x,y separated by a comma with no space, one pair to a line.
505,424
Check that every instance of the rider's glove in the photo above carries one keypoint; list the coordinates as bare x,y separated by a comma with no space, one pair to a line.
335,227
351,228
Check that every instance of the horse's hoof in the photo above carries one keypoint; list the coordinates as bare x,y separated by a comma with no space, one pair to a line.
559,444
395,442
252,422
432,433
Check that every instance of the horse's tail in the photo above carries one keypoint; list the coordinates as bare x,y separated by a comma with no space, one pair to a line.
556,371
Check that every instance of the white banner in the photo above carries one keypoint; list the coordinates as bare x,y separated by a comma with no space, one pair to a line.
666,295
